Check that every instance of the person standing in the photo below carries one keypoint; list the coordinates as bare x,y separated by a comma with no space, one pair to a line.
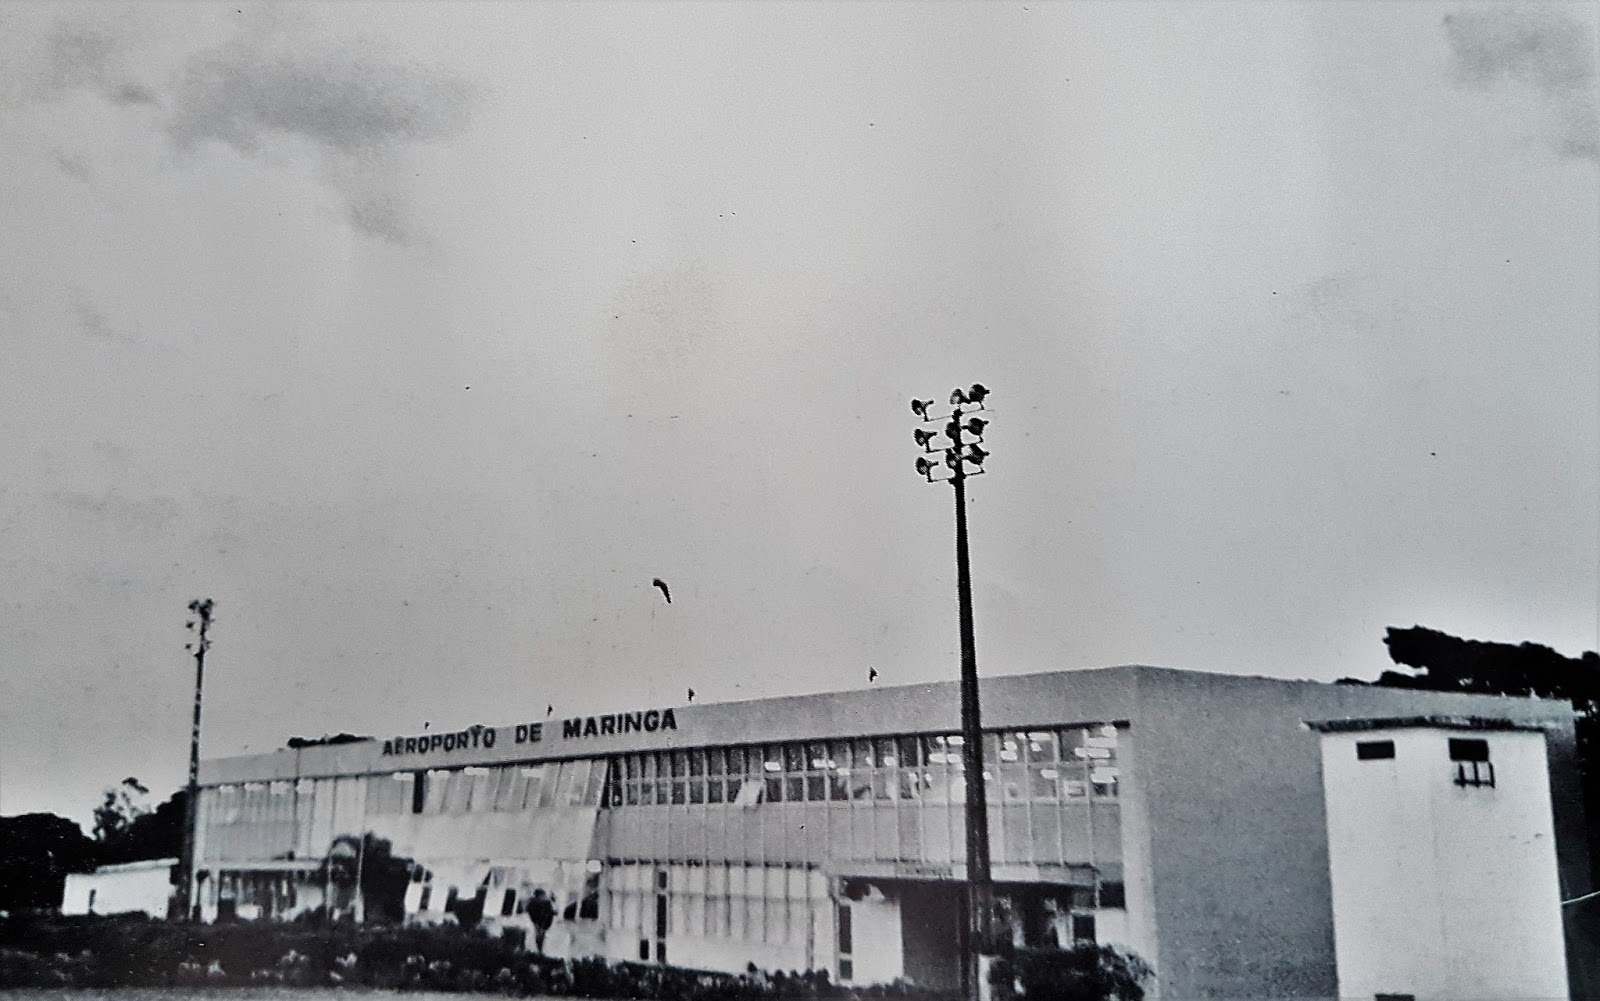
542,912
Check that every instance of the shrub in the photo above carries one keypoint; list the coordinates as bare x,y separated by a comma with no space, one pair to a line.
1086,973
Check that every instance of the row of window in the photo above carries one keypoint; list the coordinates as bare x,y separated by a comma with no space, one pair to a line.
1039,766
1470,754
1042,766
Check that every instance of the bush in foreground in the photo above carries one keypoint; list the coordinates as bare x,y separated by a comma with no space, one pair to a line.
133,951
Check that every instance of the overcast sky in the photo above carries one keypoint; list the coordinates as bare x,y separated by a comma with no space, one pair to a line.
422,337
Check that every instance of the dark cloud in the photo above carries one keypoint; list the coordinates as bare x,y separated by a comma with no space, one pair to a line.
240,95
76,57
93,323
75,167
1544,48
359,110
132,93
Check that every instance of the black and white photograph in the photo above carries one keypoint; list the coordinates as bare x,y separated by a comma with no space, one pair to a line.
800,500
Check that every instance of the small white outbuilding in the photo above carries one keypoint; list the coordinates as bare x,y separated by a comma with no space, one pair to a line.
120,889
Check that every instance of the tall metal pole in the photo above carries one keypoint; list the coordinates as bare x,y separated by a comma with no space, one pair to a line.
980,884
191,812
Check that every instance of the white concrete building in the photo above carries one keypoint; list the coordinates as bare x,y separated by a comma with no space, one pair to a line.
144,887
1181,815
1442,856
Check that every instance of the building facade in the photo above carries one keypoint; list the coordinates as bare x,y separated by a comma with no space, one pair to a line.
129,888
1176,814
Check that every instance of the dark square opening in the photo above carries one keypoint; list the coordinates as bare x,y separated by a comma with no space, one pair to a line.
1373,750
1469,749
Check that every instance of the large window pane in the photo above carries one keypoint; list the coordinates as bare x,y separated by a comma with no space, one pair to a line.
910,751
883,752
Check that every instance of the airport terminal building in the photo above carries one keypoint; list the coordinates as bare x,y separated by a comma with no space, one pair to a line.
1209,823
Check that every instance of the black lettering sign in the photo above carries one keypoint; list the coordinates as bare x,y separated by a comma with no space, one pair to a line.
472,738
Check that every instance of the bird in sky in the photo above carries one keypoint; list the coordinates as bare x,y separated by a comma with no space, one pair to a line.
691,695
872,674
549,709
658,582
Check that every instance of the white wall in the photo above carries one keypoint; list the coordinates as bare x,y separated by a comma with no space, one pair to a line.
878,950
1443,891
119,889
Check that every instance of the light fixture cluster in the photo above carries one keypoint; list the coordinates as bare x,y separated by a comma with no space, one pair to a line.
958,443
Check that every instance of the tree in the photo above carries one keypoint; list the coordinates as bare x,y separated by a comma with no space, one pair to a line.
1452,664
154,834
121,806
37,850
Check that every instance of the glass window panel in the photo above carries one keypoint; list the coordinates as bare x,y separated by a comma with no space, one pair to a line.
839,753
663,791
991,748
1011,747
883,784
794,790
697,790
733,789
438,784
697,762
817,757
459,794
1104,781
1014,783
1072,744
714,789
1043,782
535,777
883,752
839,785
816,787
862,756
936,783
910,784
910,748
774,792
1041,748
678,792
574,781
736,763
548,784
597,778
794,757
715,759
513,789
680,764
630,766
772,759
630,792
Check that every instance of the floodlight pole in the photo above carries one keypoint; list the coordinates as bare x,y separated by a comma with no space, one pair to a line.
191,806
980,884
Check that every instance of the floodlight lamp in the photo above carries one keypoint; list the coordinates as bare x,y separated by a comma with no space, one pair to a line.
977,393
925,467
976,455
920,408
957,397
976,426
951,459
923,436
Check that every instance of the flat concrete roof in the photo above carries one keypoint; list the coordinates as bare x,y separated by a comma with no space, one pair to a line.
1418,722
